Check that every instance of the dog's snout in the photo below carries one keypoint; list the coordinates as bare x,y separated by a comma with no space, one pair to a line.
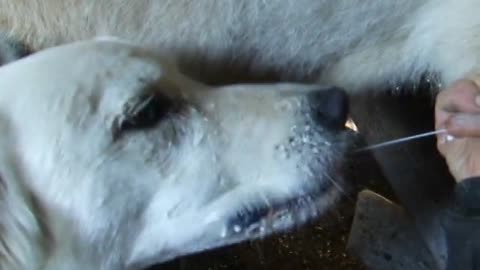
330,107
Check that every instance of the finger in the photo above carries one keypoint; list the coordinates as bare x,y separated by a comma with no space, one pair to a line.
460,97
464,125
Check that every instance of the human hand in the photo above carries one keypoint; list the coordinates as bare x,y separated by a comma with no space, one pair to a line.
457,110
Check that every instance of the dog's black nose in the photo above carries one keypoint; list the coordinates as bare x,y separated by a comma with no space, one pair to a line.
330,107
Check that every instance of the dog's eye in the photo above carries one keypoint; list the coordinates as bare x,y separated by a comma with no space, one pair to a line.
143,112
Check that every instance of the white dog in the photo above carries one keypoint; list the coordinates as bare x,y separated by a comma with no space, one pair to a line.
112,159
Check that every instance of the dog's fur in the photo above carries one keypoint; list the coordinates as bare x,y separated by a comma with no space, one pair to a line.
74,196
350,44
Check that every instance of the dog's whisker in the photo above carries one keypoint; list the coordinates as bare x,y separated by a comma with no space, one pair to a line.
338,187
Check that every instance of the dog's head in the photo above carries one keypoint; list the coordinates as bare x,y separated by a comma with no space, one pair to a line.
126,162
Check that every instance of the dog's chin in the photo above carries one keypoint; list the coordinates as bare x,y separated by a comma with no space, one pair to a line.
262,221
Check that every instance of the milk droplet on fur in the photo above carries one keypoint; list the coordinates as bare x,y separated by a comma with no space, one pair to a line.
237,228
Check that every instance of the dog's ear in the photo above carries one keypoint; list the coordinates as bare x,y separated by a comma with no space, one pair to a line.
22,238
11,49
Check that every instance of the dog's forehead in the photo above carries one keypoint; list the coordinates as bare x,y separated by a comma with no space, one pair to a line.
91,67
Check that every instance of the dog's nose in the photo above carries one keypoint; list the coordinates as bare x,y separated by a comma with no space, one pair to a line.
330,107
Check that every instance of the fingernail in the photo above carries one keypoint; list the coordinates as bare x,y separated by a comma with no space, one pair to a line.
457,120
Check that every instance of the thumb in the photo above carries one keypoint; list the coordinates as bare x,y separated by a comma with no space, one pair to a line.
464,125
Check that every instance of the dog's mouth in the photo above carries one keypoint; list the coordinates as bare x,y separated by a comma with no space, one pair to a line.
271,217
264,220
